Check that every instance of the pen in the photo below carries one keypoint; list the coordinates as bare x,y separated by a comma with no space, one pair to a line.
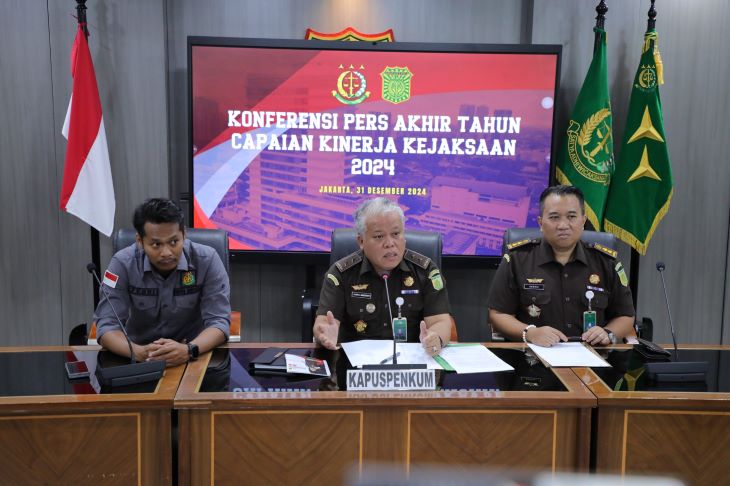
389,358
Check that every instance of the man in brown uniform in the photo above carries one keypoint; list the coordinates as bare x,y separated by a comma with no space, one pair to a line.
353,304
542,288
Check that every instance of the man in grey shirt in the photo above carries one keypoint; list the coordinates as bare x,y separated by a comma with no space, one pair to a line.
173,294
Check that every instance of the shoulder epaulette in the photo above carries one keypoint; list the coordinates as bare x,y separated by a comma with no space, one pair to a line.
421,260
603,249
349,261
524,242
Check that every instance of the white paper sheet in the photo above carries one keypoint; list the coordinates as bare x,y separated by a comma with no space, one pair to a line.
379,351
569,354
473,358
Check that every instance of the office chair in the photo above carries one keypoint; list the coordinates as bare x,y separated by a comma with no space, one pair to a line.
214,238
344,242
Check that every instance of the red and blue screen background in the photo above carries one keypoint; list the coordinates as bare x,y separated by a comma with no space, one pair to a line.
290,200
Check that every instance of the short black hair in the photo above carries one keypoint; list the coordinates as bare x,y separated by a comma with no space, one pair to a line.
157,210
562,191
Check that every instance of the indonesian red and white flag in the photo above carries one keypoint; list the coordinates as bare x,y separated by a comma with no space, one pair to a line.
87,191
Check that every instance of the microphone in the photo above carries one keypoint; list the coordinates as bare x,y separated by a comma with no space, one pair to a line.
134,372
676,370
91,268
385,278
394,365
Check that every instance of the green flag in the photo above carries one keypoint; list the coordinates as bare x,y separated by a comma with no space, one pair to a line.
641,188
586,160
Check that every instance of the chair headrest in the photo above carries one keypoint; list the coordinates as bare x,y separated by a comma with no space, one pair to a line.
214,238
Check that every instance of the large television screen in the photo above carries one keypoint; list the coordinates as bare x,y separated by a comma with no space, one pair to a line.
288,137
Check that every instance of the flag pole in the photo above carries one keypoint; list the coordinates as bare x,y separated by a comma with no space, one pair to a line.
95,245
635,256
601,10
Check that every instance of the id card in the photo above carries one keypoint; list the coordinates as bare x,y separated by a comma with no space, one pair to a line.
400,329
589,320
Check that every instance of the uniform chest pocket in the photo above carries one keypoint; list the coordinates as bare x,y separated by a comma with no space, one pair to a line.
413,305
145,303
529,297
187,297
599,301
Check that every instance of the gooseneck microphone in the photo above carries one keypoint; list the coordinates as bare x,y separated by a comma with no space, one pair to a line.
660,268
385,278
129,374
91,268
394,365
674,371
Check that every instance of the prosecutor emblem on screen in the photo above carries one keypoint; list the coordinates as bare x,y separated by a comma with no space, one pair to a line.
396,84
351,86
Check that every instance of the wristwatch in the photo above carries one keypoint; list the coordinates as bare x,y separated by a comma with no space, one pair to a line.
611,337
193,352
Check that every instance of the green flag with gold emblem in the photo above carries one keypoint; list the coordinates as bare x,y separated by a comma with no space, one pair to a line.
642,184
586,160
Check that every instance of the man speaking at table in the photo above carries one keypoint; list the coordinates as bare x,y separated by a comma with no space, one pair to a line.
549,288
173,293
353,304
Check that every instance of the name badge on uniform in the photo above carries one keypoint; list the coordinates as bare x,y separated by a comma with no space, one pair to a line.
362,295
589,316
532,286
400,329
409,291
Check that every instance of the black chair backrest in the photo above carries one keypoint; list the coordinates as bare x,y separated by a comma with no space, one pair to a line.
214,238
518,234
426,243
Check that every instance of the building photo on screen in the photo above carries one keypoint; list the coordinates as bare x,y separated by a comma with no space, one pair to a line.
289,137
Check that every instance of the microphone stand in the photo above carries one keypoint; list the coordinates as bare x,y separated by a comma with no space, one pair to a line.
128,374
394,365
674,371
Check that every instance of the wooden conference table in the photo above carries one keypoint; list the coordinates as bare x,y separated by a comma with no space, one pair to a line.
276,429
232,425
653,428
57,431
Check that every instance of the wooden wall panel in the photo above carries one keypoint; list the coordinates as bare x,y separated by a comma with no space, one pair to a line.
71,449
701,455
285,448
467,438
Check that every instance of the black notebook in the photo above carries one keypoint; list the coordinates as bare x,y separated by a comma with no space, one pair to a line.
272,359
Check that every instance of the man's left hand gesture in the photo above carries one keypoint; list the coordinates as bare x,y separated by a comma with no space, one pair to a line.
430,340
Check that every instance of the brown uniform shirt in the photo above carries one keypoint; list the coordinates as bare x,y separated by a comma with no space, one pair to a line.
355,294
531,285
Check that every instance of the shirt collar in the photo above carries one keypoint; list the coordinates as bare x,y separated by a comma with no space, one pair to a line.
368,267
545,253
182,264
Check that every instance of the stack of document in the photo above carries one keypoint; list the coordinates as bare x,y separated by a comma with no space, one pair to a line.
462,358
569,354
